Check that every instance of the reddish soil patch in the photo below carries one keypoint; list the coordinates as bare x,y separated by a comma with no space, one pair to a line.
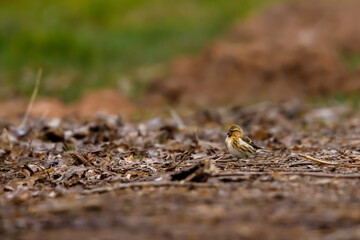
91,104
12,109
49,108
292,50
108,101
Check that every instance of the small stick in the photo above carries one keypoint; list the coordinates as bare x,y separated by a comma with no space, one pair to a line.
316,160
32,100
196,136
186,157
208,157
329,163
80,158
149,184
176,117
219,158
312,174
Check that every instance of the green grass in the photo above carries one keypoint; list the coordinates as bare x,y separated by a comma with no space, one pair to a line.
351,60
91,44
350,99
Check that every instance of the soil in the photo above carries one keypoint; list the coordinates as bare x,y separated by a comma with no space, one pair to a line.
297,49
173,179
88,107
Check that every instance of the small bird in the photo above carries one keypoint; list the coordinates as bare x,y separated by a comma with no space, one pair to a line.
238,144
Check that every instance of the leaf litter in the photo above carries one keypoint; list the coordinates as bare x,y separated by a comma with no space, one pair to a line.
173,178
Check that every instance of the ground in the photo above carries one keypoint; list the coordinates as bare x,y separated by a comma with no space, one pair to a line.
171,178
157,167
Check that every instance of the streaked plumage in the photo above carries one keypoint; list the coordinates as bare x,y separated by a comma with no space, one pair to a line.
238,144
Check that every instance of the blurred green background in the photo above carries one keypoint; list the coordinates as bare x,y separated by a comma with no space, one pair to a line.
90,44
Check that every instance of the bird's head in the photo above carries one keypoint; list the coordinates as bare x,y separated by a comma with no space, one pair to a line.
235,131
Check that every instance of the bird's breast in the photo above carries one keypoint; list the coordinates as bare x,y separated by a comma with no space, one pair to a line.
234,151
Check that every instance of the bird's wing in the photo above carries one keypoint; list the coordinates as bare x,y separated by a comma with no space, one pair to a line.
248,141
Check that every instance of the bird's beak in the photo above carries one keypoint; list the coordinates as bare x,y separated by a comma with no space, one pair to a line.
229,134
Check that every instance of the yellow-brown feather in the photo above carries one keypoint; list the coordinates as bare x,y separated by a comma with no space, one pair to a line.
238,144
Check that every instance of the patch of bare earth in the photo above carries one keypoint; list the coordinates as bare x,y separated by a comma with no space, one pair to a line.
88,107
296,49
106,101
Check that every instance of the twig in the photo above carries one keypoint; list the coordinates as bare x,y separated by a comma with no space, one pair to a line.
312,174
207,157
299,164
209,185
316,160
250,164
176,117
78,157
212,157
196,136
32,99
150,184
43,170
219,158
328,163
186,157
